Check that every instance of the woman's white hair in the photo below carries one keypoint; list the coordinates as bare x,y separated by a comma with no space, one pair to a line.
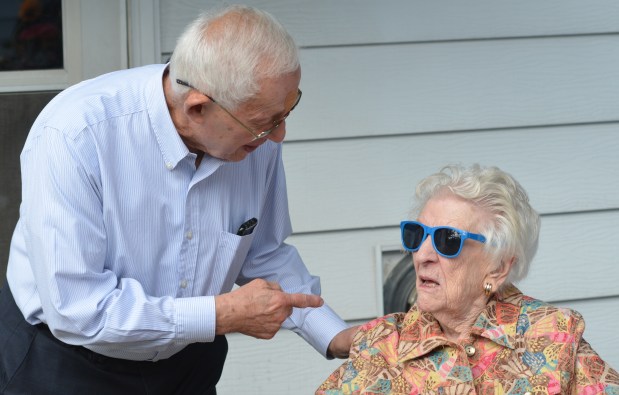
513,230
227,53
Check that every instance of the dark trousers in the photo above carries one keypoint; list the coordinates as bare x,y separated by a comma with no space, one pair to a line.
33,361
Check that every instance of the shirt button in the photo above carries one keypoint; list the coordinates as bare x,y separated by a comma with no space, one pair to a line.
189,235
184,284
168,165
470,350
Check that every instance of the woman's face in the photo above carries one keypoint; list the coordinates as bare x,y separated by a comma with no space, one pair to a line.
452,287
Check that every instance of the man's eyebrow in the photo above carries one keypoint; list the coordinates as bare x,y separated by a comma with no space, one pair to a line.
257,121
262,120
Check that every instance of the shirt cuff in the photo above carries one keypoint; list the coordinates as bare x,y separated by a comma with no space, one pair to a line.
195,319
320,327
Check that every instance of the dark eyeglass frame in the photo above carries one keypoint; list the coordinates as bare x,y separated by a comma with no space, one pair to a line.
250,130
409,231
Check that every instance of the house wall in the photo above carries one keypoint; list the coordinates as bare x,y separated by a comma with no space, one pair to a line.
393,91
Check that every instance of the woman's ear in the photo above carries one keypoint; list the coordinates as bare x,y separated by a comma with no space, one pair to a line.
498,276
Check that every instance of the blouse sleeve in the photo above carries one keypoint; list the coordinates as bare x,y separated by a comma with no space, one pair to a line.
338,383
592,374
343,379
367,369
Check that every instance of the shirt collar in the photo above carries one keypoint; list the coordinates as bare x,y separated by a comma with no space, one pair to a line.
499,320
173,150
421,332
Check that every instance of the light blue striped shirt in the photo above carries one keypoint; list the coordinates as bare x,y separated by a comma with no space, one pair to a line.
122,243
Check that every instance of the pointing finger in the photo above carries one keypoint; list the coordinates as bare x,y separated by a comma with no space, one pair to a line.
305,300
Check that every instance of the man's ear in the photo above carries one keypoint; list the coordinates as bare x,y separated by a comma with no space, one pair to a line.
499,275
194,106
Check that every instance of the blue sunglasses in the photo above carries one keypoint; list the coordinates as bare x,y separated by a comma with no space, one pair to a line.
447,241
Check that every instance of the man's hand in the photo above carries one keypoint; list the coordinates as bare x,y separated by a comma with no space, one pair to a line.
340,345
258,309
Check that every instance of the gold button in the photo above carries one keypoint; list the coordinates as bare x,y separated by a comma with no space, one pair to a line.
470,350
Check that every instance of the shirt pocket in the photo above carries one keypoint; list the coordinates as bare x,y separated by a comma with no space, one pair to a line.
231,253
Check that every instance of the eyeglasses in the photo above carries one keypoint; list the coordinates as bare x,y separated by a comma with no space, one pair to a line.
447,241
250,130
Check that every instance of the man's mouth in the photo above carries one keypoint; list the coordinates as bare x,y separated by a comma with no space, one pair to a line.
250,148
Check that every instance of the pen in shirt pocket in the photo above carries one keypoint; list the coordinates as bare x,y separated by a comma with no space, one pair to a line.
247,227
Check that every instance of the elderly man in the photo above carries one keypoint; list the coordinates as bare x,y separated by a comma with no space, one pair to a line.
147,194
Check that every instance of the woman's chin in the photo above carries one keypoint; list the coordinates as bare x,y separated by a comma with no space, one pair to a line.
428,290
427,302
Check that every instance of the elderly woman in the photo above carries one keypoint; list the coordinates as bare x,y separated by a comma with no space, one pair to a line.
471,331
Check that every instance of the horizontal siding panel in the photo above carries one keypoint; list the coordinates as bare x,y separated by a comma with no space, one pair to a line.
573,261
411,88
347,265
282,366
570,250
324,22
369,182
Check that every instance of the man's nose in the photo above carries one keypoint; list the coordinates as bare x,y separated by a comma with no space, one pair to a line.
279,133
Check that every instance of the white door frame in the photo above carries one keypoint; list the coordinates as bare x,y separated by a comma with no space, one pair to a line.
144,34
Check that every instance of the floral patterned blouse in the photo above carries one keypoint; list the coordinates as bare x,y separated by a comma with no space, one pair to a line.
518,345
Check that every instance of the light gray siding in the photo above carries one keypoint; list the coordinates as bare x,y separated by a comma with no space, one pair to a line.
394,90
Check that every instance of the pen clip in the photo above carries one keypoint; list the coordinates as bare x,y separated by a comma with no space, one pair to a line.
247,227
